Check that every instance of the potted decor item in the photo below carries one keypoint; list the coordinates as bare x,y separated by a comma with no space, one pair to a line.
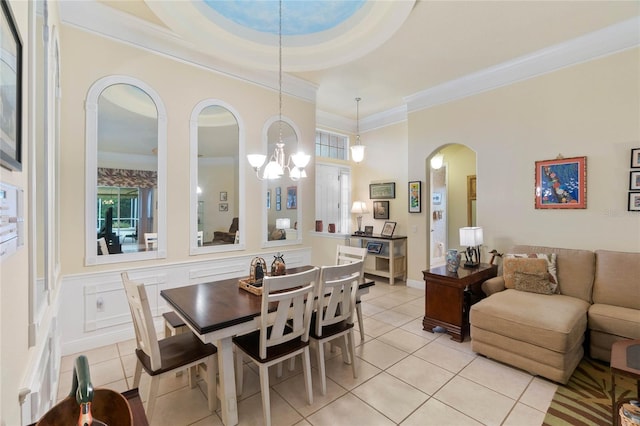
453,260
277,266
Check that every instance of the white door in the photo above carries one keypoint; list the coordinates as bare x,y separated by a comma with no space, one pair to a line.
438,216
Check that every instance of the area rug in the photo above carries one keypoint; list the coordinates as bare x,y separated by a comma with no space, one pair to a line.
586,399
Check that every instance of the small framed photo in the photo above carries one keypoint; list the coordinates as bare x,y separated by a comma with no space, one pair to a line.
368,230
374,247
635,158
292,197
561,183
223,207
378,191
381,210
415,196
387,229
436,198
634,181
634,202
223,196
268,200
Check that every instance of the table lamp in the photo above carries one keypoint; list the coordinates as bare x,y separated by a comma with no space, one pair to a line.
471,236
359,208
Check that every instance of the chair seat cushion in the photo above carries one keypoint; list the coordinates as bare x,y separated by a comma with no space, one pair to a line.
623,322
176,351
328,330
555,322
250,344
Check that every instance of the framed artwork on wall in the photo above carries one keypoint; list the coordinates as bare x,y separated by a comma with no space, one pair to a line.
10,92
634,202
634,180
381,191
292,197
223,195
561,183
415,196
635,158
381,210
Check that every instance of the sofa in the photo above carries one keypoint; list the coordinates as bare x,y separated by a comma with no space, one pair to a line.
544,334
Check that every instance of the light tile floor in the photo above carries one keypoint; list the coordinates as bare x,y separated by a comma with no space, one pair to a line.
406,376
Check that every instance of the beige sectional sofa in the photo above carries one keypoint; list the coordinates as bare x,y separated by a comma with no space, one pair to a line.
544,334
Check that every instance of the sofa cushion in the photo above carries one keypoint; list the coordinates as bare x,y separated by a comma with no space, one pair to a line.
512,265
623,322
556,322
551,264
576,269
537,282
617,280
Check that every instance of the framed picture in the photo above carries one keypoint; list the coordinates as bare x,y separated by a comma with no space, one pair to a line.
388,228
381,210
277,190
278,203
368,230
436,198
415,196
10,92
268,200
292,197
223,196
223,207
381,191
374,247
561,183
634,181
635,158
634,202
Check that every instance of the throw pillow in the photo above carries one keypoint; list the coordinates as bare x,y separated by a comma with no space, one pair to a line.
551,265
511,265
537,282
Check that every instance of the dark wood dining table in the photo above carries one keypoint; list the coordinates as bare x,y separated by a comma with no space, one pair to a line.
217,311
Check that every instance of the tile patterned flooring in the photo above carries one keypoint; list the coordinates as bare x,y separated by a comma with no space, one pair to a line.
406,376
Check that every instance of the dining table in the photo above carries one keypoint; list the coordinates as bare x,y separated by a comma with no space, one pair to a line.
216,312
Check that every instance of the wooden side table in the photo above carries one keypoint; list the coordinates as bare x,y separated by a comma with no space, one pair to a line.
449,295
625,361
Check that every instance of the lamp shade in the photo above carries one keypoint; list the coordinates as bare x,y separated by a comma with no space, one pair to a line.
359,207
471,236
357,153
283,223
256,160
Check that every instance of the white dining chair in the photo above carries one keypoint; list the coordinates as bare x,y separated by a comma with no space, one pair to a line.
159,358
335,303
283,333
348,254
150,240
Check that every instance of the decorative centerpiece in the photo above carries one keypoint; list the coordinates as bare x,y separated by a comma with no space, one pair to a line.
453,260
277,266
257,272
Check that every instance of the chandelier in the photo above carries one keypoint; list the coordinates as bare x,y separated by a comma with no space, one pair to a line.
357,150
278,165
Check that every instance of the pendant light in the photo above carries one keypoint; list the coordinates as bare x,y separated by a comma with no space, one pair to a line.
277,166
357,150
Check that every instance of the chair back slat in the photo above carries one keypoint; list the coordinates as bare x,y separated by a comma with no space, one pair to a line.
292,316
336,293
146,337
348,254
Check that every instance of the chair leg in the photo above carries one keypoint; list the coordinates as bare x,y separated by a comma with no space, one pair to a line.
193,381
352,347
360,321
212,370
279,370
153,393
137,374
321,368
264,388
306,367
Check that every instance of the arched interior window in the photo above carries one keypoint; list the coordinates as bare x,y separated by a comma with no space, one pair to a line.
126,172
217,219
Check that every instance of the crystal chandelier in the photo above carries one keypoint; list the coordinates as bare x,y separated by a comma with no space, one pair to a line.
278,164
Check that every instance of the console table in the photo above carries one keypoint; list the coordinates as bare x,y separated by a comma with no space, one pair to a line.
449,295
386,256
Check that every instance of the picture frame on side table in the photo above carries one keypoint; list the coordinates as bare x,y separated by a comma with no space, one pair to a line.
387,229
635,158
634,180
561,183
381,191
11,92
368,230
381,210
374,247
415,196
634,202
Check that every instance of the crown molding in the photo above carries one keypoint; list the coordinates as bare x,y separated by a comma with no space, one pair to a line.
367,124
613,39
94,17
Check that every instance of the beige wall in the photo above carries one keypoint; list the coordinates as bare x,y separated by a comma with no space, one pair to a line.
591,109
87,58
